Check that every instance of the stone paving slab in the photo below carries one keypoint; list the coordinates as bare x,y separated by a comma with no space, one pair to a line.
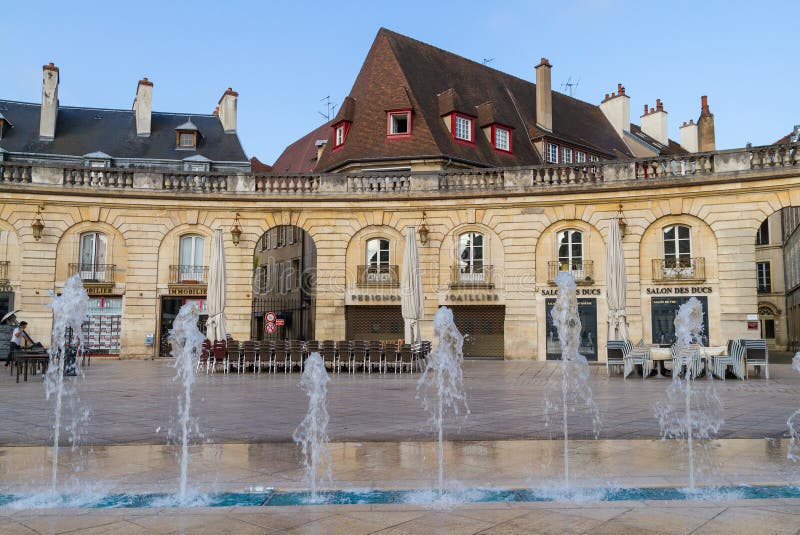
135,402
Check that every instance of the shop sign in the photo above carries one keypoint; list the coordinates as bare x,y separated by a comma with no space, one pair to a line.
579,291
192,290
477,297
375,297
679,290
99,289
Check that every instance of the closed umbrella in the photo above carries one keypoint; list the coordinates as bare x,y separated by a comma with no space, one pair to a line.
413,304
616,284
215,303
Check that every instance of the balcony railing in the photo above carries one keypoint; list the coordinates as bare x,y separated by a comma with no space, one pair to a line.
582,271
679,269
184,274
4,272
764,289
94,273
383,275
471,275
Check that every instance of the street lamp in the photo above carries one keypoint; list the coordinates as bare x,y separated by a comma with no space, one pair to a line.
38,225
236,231
423,231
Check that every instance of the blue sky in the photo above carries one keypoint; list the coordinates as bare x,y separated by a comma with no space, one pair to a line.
283,58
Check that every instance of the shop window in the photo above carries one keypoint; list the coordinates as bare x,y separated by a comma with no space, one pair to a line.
763,277
762,236
471,266
191,255
570,252
677,247
93,256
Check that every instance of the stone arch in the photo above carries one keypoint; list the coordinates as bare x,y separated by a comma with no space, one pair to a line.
169,248
355,254
494,254
703,241
68,250
10,252
593,249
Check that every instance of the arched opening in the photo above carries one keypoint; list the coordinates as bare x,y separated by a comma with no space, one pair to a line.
284,285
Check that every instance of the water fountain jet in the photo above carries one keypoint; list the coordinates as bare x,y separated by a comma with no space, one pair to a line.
312,432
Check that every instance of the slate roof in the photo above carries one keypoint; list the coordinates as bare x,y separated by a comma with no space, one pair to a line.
673,149
81,131
301,156
399,68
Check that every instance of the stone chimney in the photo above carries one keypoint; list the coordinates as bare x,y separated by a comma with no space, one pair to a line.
227,110
143,107
49,109
617,109
689,136
544,96
705,127
654,123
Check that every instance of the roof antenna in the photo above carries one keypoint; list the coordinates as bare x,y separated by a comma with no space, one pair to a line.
569,86
487,61
329,108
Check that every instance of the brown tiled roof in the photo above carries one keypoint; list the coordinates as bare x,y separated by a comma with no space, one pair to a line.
673,149
257,166
301,156
436,82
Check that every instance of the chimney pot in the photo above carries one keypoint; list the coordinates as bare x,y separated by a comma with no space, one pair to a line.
216,111
606,98
544,96
645,109
228,104
143,107
49,109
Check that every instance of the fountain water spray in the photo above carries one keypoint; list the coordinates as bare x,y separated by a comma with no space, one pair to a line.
312,433
689,412
575,387
441,386
69,313
794,422
187,344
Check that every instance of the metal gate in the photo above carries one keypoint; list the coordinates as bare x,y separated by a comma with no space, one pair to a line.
483,329
297,314
374,323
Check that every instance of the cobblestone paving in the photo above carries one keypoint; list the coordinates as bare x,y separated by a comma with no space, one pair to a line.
134,402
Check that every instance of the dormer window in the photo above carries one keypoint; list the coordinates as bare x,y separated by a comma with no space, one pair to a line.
340,131
186,136
398,123
501,138
4,125
463,128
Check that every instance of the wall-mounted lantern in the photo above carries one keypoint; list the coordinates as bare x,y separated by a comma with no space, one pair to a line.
236,231
423,230
38,225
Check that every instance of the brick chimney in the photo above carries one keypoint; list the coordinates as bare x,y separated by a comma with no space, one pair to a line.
689,136
227,110
654,123
143,107
617,109
544,96
49,109
705,127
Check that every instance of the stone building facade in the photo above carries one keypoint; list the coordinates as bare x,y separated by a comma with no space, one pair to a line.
495,238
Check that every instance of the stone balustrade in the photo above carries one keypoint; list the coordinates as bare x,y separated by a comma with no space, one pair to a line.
755,160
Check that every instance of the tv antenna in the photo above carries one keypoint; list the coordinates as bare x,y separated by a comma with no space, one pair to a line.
487,61
569,86
329,108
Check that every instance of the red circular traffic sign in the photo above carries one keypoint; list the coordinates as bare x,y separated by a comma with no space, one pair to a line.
270,328
270,317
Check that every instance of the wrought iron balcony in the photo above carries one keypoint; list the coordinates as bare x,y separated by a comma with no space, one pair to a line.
582,271
183,274
764,288
94,273
471,275
378,275
679,269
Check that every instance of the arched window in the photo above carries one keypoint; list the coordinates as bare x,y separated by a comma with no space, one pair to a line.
92,266
677,247
471,257
191,268
570,250
378,259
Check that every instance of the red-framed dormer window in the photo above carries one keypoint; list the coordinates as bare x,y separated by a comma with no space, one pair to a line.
398,123
501,138
463,128
340,131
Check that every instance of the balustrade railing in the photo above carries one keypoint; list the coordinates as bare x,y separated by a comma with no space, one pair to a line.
94,273
15,173
675,166
287,184
195,182
379,183
775,156
679,269
560,175
378,275
471,275
472,180
582,272
188,274
98,177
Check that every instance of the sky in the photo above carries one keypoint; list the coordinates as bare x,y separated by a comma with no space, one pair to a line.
284,58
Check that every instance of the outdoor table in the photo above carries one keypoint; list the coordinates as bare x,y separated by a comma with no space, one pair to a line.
659,355
22,360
